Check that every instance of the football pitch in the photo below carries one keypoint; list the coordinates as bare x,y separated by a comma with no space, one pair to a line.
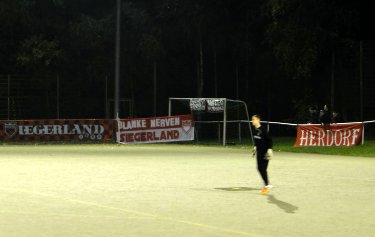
180,191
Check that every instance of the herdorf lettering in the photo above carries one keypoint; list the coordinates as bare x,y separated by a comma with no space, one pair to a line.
335,135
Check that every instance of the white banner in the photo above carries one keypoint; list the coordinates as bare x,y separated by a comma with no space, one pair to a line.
215,105
198,104
211,105
156,130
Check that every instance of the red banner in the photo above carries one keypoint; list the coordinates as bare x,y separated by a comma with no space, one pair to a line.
56,130
154,130
329,135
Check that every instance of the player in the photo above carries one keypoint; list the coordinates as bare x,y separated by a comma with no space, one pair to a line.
262,150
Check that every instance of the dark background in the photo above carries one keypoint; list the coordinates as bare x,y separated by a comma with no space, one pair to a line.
285,55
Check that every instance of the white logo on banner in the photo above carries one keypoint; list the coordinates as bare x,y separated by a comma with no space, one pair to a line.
10,129
187,125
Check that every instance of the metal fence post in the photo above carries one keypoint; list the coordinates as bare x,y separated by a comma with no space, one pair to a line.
8,96
225,123
169,107
239,133
58,96
363,134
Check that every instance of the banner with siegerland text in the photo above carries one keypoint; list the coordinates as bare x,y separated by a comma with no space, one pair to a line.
156,130
329,135
57,130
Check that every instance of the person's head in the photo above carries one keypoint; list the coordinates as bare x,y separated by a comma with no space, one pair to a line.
322,112
255,120
312,109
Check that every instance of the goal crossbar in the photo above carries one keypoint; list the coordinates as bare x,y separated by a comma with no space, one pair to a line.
224,121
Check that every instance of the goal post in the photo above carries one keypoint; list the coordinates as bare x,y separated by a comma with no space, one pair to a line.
223,108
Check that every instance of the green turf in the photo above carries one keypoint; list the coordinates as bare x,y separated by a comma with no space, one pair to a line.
366,150
179,190
286,144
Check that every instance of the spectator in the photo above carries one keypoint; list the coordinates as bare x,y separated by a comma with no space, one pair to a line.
325,115
314,116
336,118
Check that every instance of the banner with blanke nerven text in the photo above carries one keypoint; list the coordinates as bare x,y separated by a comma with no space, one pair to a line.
329,135
156,130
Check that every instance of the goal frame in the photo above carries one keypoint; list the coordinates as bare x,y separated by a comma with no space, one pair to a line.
224,130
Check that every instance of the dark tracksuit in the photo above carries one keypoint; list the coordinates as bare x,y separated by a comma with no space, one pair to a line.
263,142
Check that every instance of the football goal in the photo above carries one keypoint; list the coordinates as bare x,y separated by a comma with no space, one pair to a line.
217,120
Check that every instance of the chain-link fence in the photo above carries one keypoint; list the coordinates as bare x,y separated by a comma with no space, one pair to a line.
23,97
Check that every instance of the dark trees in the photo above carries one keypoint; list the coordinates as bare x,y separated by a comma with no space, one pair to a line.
278,55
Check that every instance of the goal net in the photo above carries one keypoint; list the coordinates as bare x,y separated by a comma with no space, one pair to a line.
217,120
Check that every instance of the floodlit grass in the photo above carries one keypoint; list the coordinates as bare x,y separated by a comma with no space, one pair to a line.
165,190
286,144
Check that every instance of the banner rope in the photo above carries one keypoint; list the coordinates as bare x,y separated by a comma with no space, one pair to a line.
286,124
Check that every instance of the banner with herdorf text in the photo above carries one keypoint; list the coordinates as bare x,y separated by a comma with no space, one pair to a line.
156,130
57,130
329,135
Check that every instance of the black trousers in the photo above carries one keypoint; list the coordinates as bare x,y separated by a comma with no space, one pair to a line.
262,167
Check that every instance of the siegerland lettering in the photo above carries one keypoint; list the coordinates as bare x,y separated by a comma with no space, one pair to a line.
150,136
76,129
